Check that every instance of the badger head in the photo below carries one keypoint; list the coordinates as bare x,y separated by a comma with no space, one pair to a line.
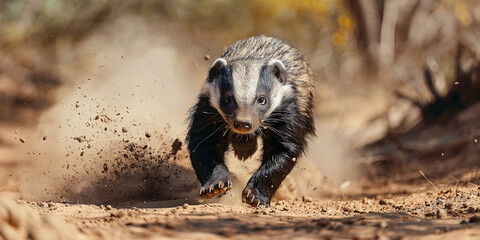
246,92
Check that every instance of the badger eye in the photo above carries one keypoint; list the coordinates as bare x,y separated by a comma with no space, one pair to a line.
227,99
262,100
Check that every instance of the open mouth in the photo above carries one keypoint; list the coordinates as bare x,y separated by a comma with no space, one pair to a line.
242,129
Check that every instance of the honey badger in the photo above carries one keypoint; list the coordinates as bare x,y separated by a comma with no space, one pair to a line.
259,88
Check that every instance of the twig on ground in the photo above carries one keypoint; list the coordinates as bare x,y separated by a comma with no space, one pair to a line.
456,179
428,180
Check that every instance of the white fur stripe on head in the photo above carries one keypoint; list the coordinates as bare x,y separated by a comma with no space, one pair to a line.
245,82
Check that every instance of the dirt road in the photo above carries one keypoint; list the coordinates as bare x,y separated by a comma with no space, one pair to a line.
426,215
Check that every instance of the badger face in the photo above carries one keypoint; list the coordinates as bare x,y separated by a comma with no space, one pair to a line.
246,92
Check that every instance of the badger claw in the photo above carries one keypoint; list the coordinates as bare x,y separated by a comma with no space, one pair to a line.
216,187
254,198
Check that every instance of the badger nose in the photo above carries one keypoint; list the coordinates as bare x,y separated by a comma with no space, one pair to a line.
242,125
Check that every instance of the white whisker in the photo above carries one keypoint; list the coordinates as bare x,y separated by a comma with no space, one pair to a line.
223,125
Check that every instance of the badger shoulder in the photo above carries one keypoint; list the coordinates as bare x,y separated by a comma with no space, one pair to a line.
267,48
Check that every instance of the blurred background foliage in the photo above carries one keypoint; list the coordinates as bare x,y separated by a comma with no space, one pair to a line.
26,21
348,25
308,20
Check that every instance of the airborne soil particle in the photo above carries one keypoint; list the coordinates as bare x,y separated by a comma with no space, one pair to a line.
176,146
80,139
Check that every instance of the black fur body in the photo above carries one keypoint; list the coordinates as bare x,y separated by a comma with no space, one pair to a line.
280,114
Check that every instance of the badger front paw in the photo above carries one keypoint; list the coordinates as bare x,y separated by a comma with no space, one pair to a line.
255,198
218,183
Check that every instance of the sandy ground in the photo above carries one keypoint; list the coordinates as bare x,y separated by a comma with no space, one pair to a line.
425,215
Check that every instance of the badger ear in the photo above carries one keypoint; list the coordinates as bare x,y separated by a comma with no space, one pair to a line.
278,70
216,69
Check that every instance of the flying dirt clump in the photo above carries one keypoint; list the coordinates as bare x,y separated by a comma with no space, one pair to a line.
104,154
135,171
176,146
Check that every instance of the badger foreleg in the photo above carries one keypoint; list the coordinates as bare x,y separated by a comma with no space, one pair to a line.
266,180
207,145
283,143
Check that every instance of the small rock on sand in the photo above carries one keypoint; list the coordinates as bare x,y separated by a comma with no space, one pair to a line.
307,199
473,219
441,213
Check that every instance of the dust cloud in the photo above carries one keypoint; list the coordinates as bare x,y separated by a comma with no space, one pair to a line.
113,134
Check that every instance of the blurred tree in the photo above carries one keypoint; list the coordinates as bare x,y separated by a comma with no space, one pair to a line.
385,28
